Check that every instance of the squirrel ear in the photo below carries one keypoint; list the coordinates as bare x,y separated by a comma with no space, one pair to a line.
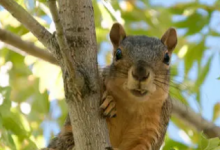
117,34
170,39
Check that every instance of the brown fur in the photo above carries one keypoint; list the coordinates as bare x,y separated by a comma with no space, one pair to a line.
136,122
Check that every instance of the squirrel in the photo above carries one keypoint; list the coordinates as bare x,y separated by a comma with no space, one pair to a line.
137,89
136,100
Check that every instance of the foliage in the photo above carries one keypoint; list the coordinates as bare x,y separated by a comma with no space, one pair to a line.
204,144
32,106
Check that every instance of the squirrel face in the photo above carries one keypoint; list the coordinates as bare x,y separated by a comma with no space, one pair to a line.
141,62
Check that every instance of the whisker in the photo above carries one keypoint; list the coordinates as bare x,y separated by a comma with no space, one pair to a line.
167,84
161,87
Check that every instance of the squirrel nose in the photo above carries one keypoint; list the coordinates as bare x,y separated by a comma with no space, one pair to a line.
140,73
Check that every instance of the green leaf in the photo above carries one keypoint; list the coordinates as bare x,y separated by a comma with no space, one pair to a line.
6,104
194,53
203,142
6,137
213,143
181,7
194,23
31,145
16,123
216,112
41,103
203,73
174,145
217,148
43,1
176,93
208,144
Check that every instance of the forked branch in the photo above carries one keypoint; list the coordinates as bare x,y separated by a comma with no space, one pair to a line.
64,48
187,115
25,46
45,37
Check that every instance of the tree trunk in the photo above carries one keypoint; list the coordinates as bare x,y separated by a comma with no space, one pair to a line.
89,129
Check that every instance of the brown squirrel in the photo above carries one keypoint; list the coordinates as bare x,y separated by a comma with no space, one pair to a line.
136,101
137,89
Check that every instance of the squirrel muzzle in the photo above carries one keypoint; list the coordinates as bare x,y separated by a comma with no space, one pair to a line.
140,79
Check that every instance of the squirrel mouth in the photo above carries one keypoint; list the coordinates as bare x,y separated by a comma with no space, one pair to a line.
139,92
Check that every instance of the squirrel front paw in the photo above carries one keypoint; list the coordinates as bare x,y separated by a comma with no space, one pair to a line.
108,105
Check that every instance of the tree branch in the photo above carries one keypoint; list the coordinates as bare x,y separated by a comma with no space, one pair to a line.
195,120
61,37
45,37
78,23
25,46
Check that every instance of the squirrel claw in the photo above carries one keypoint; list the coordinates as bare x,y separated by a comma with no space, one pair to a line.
108,148
108,106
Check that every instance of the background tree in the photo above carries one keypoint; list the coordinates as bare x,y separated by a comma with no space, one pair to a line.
32,106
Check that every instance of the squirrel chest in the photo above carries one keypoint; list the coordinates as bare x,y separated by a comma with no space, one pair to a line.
136,122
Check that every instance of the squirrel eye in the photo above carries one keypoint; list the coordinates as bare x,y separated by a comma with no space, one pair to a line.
166,59
118,54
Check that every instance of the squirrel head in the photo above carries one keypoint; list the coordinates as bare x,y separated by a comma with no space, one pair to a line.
141,63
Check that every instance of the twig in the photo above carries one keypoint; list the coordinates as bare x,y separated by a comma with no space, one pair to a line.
61,37
45,37
195,120
25,46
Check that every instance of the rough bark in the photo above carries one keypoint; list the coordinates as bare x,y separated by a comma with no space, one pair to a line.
90,131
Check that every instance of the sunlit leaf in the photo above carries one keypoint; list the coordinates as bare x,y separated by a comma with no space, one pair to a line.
41,103
216,112
176,93
209,144
203,74
174,145
6,138
5,100
14,123
194,23
194,53
203,142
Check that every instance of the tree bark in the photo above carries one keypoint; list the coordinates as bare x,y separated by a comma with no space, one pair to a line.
89,129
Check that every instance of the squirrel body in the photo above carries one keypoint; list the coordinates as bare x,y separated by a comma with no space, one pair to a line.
137,87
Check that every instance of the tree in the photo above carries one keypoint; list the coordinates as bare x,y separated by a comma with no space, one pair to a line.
75,50
74,41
